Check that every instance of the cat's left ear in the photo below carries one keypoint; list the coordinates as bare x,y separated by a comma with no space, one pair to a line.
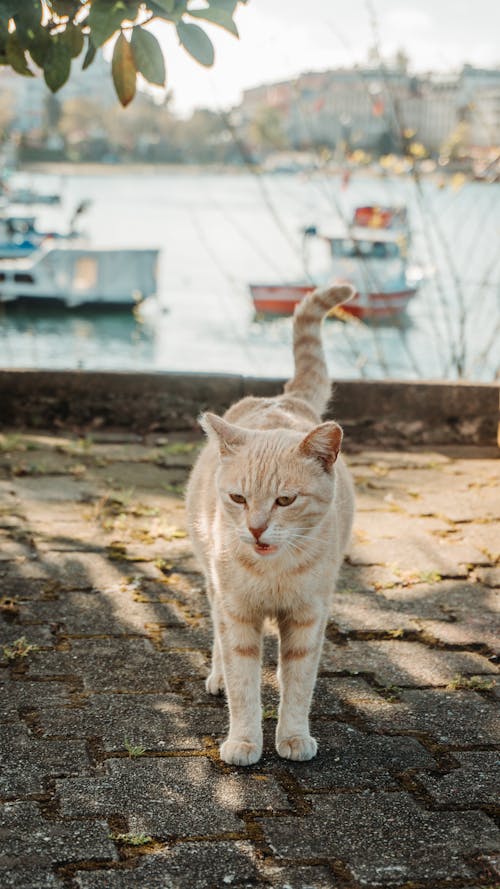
323,444
228,437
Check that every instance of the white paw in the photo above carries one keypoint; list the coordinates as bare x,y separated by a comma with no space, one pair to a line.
240,753
300,748
214,683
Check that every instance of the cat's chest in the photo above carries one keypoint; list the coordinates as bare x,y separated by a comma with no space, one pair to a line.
275,592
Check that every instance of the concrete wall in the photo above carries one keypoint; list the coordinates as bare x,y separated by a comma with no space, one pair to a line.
378,412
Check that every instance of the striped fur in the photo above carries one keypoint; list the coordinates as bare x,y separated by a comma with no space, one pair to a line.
310,381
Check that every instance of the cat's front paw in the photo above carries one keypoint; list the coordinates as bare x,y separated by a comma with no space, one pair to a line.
214,683
299,748
240,753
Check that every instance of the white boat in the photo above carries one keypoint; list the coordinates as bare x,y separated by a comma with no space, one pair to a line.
372,260
77,276
30,196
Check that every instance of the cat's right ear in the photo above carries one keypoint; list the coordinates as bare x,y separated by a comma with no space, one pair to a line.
228,437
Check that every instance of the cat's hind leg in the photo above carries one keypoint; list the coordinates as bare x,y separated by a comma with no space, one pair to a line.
214,682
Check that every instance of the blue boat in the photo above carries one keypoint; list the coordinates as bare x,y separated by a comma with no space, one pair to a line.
19,236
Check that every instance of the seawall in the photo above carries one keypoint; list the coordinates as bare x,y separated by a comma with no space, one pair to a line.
378,412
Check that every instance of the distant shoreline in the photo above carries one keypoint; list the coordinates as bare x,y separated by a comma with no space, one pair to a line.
65,168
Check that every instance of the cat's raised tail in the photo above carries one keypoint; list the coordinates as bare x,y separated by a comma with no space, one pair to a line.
311,381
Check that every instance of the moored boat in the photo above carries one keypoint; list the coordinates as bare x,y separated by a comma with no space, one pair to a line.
371,260
281,299
20,236
77,276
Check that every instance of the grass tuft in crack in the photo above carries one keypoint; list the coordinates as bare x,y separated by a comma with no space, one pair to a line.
20,648
134,749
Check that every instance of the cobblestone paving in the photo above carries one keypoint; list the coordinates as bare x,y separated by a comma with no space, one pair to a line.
110,772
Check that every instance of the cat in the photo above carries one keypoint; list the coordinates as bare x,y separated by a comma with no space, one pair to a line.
270,505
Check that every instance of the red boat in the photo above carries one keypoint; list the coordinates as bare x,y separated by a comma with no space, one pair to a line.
372,260
281,299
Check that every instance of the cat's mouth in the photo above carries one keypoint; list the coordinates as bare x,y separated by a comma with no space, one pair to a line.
265,549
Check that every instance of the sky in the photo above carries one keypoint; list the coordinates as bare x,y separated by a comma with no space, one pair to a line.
281,38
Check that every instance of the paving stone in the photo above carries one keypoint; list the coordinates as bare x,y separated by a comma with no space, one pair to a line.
80,570
458,718
21,694
156,722
366,578
11,549
28,874
121,665
451,600
116,611
25,582
30,845
489,576
419,552
348,758
475,783
403,663
388,526
134,475
45,489
371,611
153,792
27,761
456,505
385,838
301,877
85,613
187,866
485,536
35,634
333,694
472,630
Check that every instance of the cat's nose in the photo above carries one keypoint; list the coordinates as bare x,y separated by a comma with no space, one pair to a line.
257,531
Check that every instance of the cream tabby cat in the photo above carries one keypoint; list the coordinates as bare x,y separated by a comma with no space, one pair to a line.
270,507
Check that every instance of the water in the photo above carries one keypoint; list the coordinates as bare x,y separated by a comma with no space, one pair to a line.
217,232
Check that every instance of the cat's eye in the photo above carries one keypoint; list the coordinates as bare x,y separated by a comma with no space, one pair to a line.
285,501
237,498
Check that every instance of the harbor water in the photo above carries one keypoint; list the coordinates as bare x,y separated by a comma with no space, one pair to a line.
218,232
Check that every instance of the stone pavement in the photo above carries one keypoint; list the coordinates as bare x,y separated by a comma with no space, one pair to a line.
110,773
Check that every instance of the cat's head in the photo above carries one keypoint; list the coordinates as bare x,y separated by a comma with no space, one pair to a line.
276,485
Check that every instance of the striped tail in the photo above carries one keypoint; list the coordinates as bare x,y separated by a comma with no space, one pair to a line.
311,381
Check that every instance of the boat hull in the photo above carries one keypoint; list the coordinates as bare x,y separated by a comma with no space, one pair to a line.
270,299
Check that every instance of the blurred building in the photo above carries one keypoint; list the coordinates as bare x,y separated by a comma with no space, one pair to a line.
31,95
378,109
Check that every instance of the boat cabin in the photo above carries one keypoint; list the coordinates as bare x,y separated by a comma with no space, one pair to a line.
76,276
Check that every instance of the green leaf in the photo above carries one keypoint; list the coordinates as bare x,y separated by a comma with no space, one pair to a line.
16,56
227,5
166,5
57,65
123,70
73,38
89,56
219,17
104,19
148,56
39,47
65,7
158,11
7,9
30,16
196,43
